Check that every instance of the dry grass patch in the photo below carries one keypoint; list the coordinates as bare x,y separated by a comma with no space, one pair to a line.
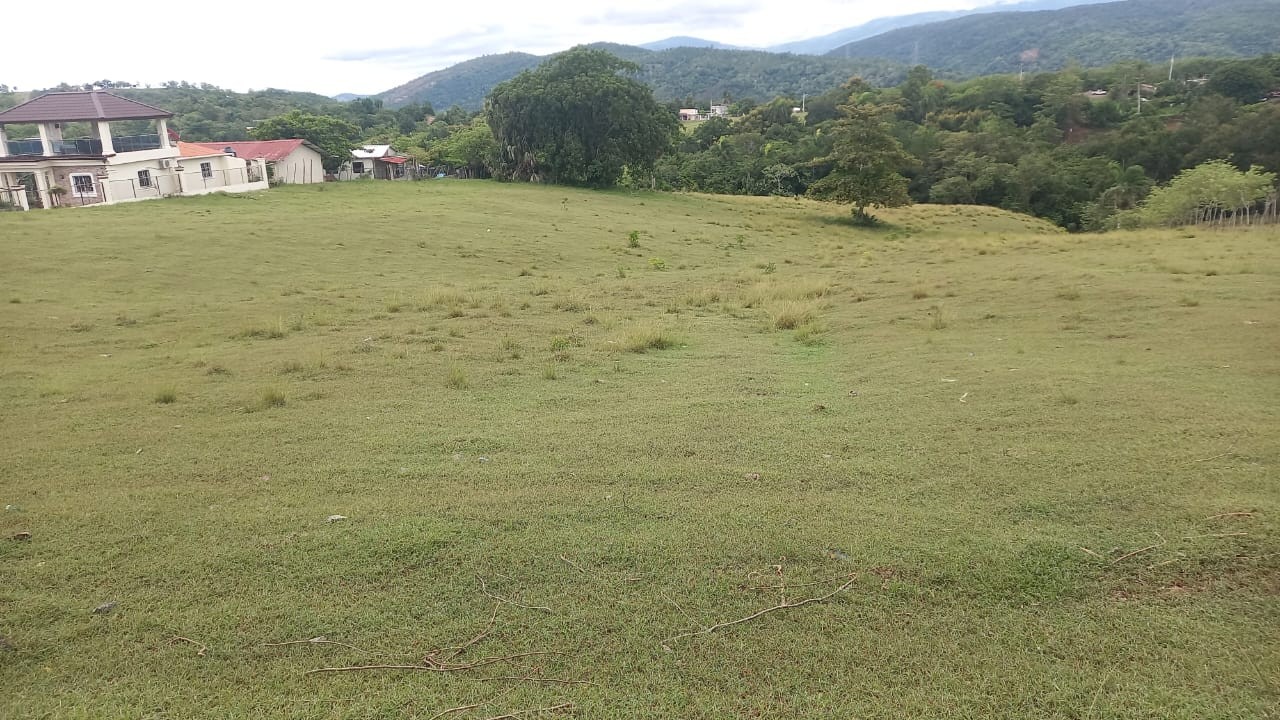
646,337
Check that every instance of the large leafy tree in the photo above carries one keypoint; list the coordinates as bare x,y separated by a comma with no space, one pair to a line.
334,137
866,162
578,119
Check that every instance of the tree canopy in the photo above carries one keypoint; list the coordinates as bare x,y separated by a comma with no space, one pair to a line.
866,161
333,136
578,119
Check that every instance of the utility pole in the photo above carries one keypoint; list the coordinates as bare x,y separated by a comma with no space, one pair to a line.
1171,59
803,97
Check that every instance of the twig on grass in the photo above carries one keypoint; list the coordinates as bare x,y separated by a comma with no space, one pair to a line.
460,708
1231,514
533,678
780,606
452,710
1139,551
201,647
573,564
1091,552
484,588
846,576
1215,457
1214,535
433,667
432,657
313,641
534,711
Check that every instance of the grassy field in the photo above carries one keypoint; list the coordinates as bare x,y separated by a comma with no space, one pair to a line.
1042,466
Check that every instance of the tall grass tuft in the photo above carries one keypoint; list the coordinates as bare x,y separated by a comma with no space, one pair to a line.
166,396
456,378
646,337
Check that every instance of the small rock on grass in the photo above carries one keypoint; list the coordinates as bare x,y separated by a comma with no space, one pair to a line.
105,608
335,518
23,536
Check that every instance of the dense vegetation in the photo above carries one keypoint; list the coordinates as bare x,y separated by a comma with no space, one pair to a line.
1045,146
703,73
578,120
1091,35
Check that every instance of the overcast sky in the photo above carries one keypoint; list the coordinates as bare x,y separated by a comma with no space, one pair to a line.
371,47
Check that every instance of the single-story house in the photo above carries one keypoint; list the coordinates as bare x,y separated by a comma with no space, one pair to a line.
719,111
690,114
293,161
376,162
76,159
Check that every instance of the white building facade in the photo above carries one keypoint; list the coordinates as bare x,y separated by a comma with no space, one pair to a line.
97,148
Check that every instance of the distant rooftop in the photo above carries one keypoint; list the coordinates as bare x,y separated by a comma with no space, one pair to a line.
76,106
270,150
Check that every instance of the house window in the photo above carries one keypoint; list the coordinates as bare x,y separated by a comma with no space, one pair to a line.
206,170
357,167
82,185
144,178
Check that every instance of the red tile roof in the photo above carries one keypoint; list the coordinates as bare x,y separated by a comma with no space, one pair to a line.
186,149
269,150
73,106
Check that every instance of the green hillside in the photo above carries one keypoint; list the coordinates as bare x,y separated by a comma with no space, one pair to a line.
1091,35
676,73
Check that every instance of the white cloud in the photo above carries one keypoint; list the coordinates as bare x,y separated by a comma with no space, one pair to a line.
241,44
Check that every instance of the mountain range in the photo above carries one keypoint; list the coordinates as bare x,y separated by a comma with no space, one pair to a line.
1035,35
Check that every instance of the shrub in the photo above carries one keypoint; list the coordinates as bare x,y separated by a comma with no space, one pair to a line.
166,396
456,378
633,239
650,336
791,314
272,398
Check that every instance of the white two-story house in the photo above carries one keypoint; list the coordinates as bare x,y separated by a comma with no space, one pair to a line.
93,148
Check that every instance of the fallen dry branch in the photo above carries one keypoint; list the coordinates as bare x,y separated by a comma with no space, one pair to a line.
785,586
534,679
452,710
1214,535
573,564
534,711
780,606
312,641
484,588
1091,552
434,666
1231,514
433,656
200,647
1139,551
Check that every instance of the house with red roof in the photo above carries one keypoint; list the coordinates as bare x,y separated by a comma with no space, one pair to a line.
288,161
97,148
376,162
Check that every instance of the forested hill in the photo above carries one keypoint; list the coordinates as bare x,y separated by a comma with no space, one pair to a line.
1089,35
674,74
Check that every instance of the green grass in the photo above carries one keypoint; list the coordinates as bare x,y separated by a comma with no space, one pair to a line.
986,483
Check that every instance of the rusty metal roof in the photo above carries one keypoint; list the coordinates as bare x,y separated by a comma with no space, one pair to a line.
73,106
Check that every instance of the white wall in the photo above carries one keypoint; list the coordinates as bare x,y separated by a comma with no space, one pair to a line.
303,165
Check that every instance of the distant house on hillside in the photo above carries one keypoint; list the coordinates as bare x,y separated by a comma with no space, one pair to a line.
376,162
288,161
719,111
690,114
76,158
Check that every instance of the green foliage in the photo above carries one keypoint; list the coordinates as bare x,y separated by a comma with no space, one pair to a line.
579,119
471,146
333,136
1091,35
866,160
1244,82
706,74
1207,193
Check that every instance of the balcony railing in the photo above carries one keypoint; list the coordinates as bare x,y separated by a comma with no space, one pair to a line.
84,146
77,146
134,143
30,146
